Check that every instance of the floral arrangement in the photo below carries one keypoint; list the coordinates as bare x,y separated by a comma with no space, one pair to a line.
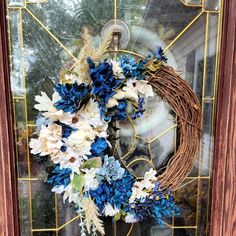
75,130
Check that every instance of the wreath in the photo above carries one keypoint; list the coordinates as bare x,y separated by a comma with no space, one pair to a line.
76,135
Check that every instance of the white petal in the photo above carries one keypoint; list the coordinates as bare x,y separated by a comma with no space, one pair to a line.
144,88
119,95
111,103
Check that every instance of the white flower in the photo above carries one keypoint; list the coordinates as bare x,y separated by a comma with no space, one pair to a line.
119,95
117,70
144,88
130,93
150,175
142,189
58,189
81,139
101,131
68,159
91,181
72,195
46,105
36,148
137,193
109,210
130,218
135,87
91,113
112,102
49,141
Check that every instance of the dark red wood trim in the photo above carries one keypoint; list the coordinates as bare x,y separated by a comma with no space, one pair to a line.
9,225
223,212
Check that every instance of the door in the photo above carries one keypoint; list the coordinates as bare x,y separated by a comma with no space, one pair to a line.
44,35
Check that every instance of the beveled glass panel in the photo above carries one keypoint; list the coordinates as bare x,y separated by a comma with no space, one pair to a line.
45,37
43,206
21,137
16,3
24,207
212,5
17,60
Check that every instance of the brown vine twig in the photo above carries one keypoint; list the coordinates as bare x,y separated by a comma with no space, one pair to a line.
172,88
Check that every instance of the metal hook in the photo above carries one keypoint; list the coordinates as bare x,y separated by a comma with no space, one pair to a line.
116,40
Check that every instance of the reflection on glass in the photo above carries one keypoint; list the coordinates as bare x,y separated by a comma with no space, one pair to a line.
17,79
43,206
24,207
16,3
184,232
186,198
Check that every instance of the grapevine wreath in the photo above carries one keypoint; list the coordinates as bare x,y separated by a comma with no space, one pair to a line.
76,130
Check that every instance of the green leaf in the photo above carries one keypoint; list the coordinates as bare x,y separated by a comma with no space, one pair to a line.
95,162
117,216
78,182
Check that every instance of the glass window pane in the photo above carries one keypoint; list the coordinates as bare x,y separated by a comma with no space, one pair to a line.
45,37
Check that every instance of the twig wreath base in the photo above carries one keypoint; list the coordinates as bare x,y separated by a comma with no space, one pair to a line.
172,88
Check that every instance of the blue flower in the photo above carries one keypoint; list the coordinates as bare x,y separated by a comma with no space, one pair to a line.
142,210
117,193
139,112
122,190
58,177
111,169
119,111
104,83
72,96
66,129
98,147
160,206
159,53
133,69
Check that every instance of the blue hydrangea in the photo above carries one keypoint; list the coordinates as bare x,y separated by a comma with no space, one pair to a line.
111,169
117,193
159,53
104,82
133,69
72,96
58,177
98,147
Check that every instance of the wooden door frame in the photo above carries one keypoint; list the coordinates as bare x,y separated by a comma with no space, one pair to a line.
223,212
9,225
